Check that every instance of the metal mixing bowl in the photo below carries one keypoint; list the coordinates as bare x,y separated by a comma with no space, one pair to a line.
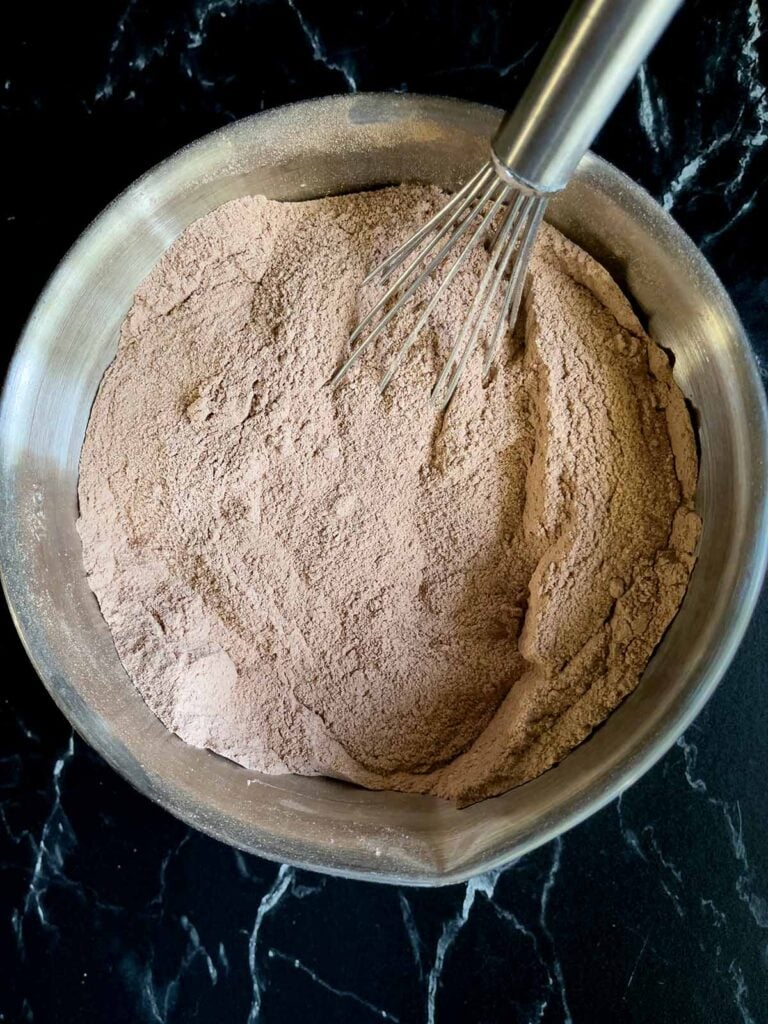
338,145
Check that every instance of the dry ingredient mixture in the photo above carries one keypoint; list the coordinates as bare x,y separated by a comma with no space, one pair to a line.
319,580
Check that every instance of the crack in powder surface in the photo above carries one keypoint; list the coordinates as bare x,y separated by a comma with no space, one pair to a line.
319,580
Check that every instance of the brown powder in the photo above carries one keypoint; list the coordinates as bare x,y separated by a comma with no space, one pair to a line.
324,581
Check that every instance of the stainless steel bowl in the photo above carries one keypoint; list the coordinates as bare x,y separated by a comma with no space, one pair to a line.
338,145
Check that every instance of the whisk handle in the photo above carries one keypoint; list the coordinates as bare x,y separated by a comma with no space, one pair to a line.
590,62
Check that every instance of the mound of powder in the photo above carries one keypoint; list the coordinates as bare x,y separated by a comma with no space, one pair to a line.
318,580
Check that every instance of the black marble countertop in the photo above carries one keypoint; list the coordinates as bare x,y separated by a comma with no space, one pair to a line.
654,910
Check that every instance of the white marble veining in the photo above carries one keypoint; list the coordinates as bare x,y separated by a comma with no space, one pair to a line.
652,111
342,993
484,884
546,894
269,901
746,134
412,931
319,52
55,842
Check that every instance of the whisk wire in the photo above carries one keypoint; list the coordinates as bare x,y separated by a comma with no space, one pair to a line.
459,231
502,250
466,205
472,211
511,307
456,266
463,197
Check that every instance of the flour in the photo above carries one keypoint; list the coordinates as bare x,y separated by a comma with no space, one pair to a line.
319,580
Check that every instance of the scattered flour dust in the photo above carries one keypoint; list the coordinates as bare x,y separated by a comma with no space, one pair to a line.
318,580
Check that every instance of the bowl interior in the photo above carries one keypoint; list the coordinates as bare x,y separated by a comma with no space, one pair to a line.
329,146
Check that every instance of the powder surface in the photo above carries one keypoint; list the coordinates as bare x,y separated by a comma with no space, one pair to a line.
319,580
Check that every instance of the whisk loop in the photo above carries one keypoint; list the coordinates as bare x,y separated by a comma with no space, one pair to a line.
471,211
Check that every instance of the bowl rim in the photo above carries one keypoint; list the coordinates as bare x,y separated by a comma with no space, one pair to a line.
638,759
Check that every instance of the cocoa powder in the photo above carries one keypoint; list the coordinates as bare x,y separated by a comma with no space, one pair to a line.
319,580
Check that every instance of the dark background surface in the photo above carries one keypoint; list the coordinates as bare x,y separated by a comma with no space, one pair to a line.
656,909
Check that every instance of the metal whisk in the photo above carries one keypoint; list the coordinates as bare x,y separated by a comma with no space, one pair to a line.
596,52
